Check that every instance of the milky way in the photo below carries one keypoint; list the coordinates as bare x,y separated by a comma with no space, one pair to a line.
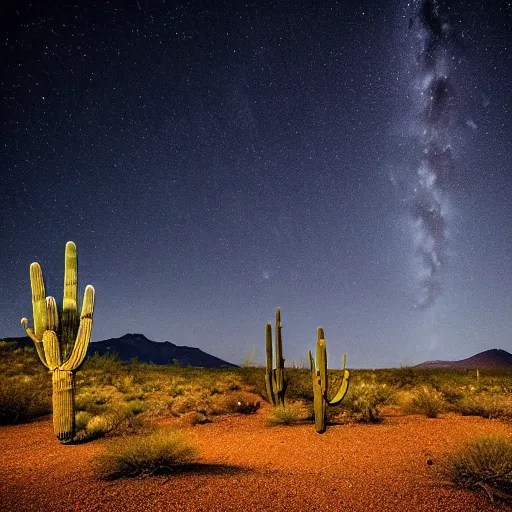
430,28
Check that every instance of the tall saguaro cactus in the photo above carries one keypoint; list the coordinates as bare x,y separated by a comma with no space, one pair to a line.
320,383
61,338
274,377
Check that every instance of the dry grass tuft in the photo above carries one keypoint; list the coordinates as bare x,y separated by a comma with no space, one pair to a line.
159,453
484,463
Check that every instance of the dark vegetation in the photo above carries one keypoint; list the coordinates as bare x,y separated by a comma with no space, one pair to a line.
115,398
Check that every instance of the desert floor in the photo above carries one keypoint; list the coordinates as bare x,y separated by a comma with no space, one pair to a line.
248,466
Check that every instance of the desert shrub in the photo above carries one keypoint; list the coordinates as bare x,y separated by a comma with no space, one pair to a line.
426,400
250,359
151,387
292,412
364,401
483,463
486,405
158,453
22,399
299,384
119,421
136,407
199,418
92,401
99,426
130,397
239,404
175,389
107,364
254,379
81,420
125,384
405,376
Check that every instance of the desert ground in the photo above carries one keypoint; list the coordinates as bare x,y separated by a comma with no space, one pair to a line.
246,465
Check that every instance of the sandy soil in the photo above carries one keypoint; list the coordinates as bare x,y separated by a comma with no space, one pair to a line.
251,467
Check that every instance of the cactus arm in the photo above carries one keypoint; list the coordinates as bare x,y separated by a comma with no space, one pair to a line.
69,302
340,395
279,340
51,349
37,343
38,300
52,314
84,333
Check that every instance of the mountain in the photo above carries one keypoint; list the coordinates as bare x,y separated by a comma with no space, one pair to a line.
494,359
130,346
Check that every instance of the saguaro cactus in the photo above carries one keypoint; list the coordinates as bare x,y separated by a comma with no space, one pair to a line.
274,378
61,339
320,383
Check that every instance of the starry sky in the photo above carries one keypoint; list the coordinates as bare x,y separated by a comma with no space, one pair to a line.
349,162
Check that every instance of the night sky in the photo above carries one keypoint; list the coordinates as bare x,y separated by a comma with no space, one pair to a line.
350,162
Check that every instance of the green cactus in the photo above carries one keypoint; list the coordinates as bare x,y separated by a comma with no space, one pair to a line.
320,383
274,378
61,339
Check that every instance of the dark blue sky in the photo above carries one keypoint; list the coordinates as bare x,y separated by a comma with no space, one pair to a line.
213,161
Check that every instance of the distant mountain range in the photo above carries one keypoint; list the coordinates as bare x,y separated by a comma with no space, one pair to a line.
130,346
494,359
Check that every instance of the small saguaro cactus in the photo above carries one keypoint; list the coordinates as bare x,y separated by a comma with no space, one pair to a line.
320,383
61,339
274,378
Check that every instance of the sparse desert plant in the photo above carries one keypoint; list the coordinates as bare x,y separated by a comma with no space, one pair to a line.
81,420
483,463
136,407
237,403
250,359
118,422
61,338
426,400
486,405
199,418
99,426
175,389
24,398
159,453
365,400
292,412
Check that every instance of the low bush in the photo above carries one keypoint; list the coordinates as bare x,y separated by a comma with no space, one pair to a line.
158,453
364,401
486,405
426,400
292,412
483,464
22,399
81,420
239,404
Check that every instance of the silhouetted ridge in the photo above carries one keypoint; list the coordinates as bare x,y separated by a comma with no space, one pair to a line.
137,345
494,359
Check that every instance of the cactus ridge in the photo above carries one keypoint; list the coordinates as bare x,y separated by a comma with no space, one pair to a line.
61,338
320,383
275,379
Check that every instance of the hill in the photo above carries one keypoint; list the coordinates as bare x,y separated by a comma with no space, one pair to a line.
130,346
494,359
